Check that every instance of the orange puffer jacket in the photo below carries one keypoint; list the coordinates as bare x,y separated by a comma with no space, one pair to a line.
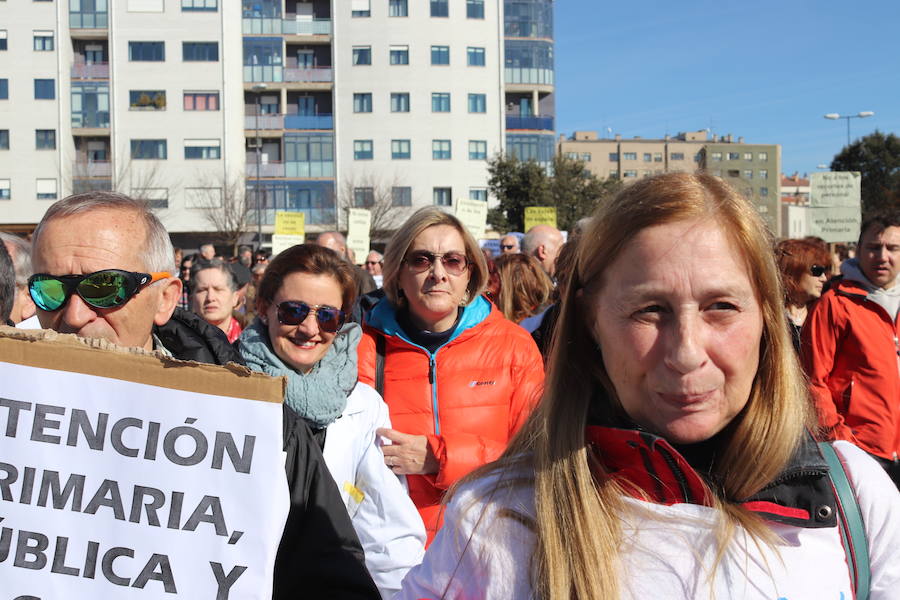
468,398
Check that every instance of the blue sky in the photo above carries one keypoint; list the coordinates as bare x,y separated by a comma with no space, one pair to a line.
764,70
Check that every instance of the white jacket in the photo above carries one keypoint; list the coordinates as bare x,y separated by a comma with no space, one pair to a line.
482,554
385,519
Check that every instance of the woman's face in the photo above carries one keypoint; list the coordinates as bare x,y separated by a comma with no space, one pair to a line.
811,285
212,298
434,294
679,328
302,346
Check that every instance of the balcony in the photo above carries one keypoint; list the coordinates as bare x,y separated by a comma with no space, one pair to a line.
538,122
88,20
95,168
264,122
90,71
309,122
90,119
264,73
274,26
528,76
313,75
266,169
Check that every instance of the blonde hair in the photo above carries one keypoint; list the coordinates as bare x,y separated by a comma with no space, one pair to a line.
422,219
578,507
524,287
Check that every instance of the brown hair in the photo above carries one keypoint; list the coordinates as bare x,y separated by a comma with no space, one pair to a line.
422,219
524,287
795,257
306,258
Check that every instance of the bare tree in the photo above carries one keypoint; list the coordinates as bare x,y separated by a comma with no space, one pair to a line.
387,200
144,180
226,207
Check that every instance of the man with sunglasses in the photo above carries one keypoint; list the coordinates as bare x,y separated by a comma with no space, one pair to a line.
851,350
509,244
104,268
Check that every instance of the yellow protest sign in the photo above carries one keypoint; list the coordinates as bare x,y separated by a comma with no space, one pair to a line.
290,223
539,215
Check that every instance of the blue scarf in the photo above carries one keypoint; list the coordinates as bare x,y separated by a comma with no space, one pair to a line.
319,396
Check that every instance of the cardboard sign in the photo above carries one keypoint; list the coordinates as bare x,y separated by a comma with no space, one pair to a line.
473,214
836,224
836,188
290,223
834,212
283,241
359,221
120,479
539,215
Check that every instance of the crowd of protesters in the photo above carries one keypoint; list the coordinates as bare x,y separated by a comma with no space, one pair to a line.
639,410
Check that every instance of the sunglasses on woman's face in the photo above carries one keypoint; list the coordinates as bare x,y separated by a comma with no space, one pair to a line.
294,312
817,270
421,260
102,289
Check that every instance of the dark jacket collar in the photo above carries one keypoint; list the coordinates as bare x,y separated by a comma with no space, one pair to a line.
648,467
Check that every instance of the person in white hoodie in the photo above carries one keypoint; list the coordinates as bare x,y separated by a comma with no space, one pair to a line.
301,333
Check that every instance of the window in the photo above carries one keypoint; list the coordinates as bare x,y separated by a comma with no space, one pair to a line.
4,89
399,55
586,156
2,39
479,194
199,5
629,174
572,155
154,197
201,101
45,139
362,149
362,55
613,174
763,173
748,156
4,189
474,9
202,149
4,139
629,156
401,196
477,103
734,173
440,55
440,149
440,102
44,89
397,8
763,156
147,99
399,102
657,157
45,188
439,8
676,156
442,196
146,51
613,157
477,150
763,191
648,157
362,103
200,51
360,8
475,56
716,156
363,197
149,149
400,149
748,174
43,41
734,156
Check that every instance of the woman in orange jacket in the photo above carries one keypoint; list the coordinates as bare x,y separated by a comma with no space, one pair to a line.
458,378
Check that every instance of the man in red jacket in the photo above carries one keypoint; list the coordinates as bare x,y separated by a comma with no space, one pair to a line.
851,348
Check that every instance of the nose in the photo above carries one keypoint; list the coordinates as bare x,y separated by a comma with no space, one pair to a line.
437,269
310,325
684,346
76,314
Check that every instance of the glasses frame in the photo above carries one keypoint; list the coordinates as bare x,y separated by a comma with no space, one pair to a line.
432,258
134,282
821,270
315,310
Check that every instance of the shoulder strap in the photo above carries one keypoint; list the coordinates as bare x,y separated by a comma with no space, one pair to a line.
853,532
380,345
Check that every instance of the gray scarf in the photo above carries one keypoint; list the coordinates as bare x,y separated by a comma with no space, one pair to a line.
319,396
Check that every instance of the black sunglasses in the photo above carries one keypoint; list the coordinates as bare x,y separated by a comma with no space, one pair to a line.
507,246
102,289
294,312
422,260
817,270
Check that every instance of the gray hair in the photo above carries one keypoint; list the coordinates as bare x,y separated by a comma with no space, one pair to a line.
21,256
160,255
221,265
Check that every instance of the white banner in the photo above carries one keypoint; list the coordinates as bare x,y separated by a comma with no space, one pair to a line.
114,489
835,188
836,224
473,214
359,221
283,241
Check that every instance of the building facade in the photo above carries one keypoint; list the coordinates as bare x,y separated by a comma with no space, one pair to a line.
314,106
753,169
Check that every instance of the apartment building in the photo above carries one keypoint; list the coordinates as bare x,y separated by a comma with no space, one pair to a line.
754,169
312,106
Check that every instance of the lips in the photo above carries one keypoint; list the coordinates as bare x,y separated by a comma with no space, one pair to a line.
686,399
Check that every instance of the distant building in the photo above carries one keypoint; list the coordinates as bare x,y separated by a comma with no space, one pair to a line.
795,189
751,168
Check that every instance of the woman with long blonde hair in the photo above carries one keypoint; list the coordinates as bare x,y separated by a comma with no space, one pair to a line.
670,456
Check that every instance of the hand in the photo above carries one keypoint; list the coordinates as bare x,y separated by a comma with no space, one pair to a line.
408,454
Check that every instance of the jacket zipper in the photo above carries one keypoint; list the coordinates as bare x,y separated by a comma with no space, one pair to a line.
432,379
679,474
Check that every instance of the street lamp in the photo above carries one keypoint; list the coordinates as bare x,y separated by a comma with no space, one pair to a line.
258,88
862,115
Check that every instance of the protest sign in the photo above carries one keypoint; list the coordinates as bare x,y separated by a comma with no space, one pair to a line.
473,215
834,212
283,241
539,215
835,188
358,223
119,478
290,223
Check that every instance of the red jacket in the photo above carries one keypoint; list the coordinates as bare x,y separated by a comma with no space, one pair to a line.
468,399
850,351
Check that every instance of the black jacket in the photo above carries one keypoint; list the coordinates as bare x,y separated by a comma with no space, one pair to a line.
319,555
